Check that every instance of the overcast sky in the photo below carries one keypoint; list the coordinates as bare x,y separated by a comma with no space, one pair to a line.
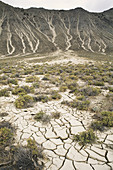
90,5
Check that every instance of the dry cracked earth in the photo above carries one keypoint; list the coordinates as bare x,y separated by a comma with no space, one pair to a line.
56,136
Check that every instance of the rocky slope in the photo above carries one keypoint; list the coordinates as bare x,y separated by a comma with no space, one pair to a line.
33,30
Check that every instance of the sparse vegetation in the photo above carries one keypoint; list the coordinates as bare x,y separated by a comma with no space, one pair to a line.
39,115
84,86
31,79
4,92
5,136
104,119
42,116
55,95
23,90
80,105
55,115
86,137
24,102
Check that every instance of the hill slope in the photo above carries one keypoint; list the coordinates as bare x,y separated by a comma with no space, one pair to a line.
36,30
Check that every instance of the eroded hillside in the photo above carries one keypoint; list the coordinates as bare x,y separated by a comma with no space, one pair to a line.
39,30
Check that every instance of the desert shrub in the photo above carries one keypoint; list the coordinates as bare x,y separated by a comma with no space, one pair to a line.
4,92
72,86
31,79
12,81
80,105
46,119
32,145
96,83
97,125
86,78
16,75
23,101
41,98
55,80
81,97
22,90
105,119
3,80
39,115
55,115
5,136
63,88
90,91
36,85
99,83
28,71
46,77
55,95
111,89
42,116
18,90
73,77
28,89
86,137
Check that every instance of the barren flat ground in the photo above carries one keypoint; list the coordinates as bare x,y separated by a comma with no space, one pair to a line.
56,112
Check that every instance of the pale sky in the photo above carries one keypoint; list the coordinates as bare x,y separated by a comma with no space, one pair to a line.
90,5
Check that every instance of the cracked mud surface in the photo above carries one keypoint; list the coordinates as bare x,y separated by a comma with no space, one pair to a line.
56,137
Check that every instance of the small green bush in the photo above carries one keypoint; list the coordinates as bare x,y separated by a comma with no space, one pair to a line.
23,90
12,81
96,83
46,77
24,102
111,89
18,91
5,136
42,116
39,115
63,88
55,95
84,138
55,115
80,97
32,145
31,79
104,120
80,105
90,91
36,85
41,98
72,86
4,92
